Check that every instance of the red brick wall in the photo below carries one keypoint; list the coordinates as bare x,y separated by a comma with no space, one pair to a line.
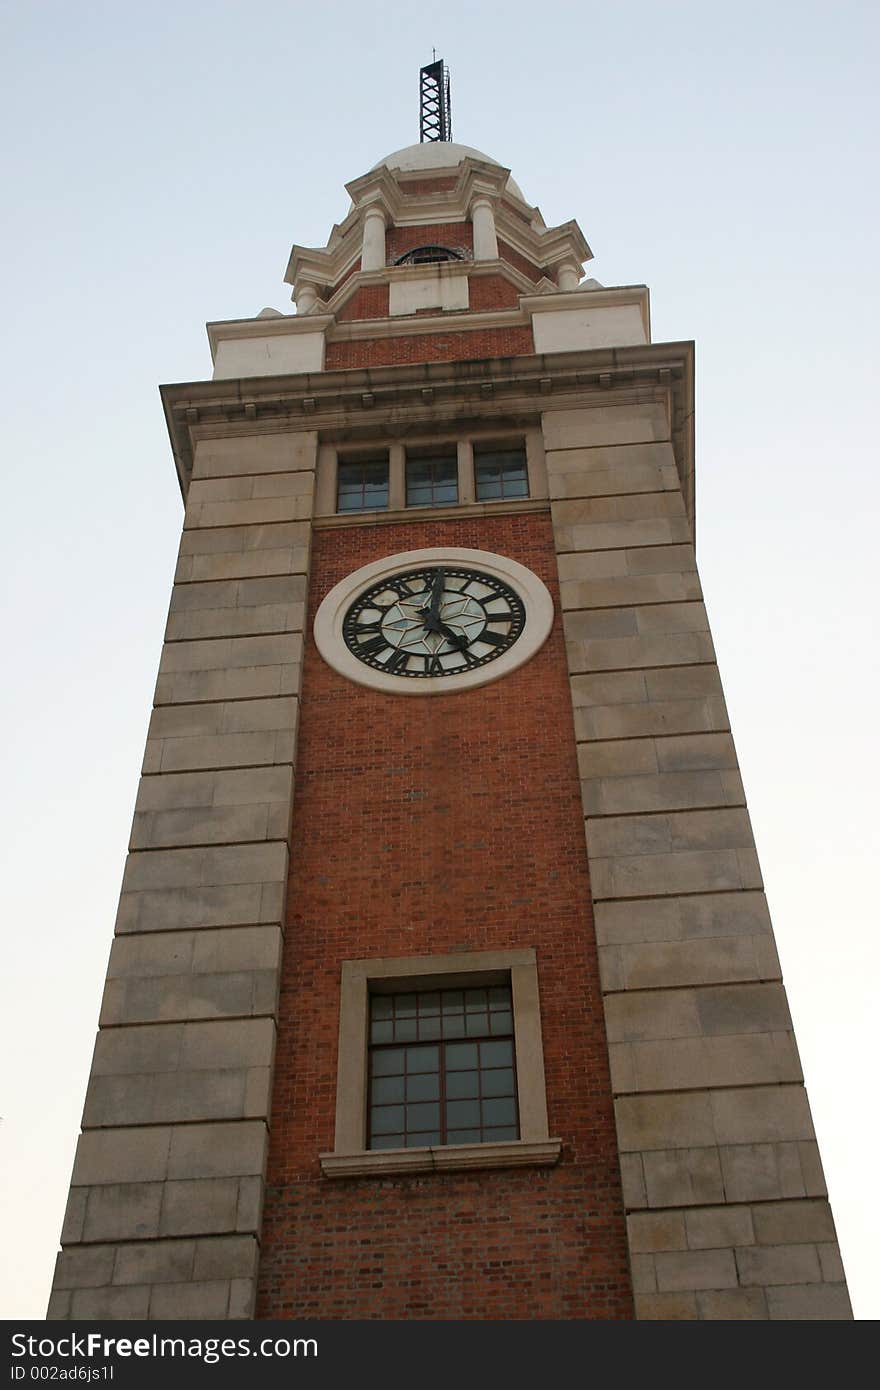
491,292
368,302
431,347
413,187
458,236
421,826
518,261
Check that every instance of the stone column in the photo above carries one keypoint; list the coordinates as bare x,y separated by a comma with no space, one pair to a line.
305,297
165,1206
568,276
373,250
485,239
726,1204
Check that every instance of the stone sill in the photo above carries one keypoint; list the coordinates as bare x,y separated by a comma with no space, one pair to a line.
379,1163
450,513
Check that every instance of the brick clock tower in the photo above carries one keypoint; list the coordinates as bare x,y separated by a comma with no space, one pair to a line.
443,984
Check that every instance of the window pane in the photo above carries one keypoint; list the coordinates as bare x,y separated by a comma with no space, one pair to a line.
387,1118
432,481
429,1027
405,1006
499,998
452,1001
387,1088
462,1112
477,1025
382,1030
499,1112
474,999
381,1006
389,1062
464,1136
387,1141
421,1141
427,1087
462,1084
422,1059
497,1083
488,487
500,473
405,1029
453,1025
496,1054
429,1004
463,1056
501,1023
362,485
494,1136
420,1117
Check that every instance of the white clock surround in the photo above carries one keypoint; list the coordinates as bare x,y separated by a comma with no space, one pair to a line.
532,591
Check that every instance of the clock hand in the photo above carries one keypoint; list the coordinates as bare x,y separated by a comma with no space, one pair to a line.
436,596
431,614
456,638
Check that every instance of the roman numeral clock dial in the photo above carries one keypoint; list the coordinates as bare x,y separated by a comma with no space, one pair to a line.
432,621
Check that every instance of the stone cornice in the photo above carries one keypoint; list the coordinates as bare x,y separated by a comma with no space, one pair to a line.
466,321
363,402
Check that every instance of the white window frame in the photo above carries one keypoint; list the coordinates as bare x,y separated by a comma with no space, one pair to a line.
534,1148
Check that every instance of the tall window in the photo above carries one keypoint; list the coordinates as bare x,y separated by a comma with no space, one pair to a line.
432,479
362,484
500,472
442,1068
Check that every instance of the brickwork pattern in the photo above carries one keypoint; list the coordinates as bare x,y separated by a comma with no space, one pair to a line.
368,302
458,236
434,825
492,292
519,261
469,345
414,188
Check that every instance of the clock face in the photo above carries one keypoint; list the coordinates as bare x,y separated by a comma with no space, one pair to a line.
433,621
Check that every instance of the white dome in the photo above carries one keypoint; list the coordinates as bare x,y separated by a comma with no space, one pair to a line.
439,154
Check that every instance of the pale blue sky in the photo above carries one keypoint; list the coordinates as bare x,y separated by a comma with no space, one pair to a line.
159,162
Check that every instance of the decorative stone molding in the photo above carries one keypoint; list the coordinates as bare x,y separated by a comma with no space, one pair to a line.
333,399
480,187
516,1153
535,1147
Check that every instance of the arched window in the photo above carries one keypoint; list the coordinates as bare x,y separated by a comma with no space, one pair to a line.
428,255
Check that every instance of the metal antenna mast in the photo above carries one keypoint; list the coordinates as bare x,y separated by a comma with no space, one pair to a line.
435,102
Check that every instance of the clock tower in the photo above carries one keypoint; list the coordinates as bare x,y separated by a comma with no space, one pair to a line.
443,983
